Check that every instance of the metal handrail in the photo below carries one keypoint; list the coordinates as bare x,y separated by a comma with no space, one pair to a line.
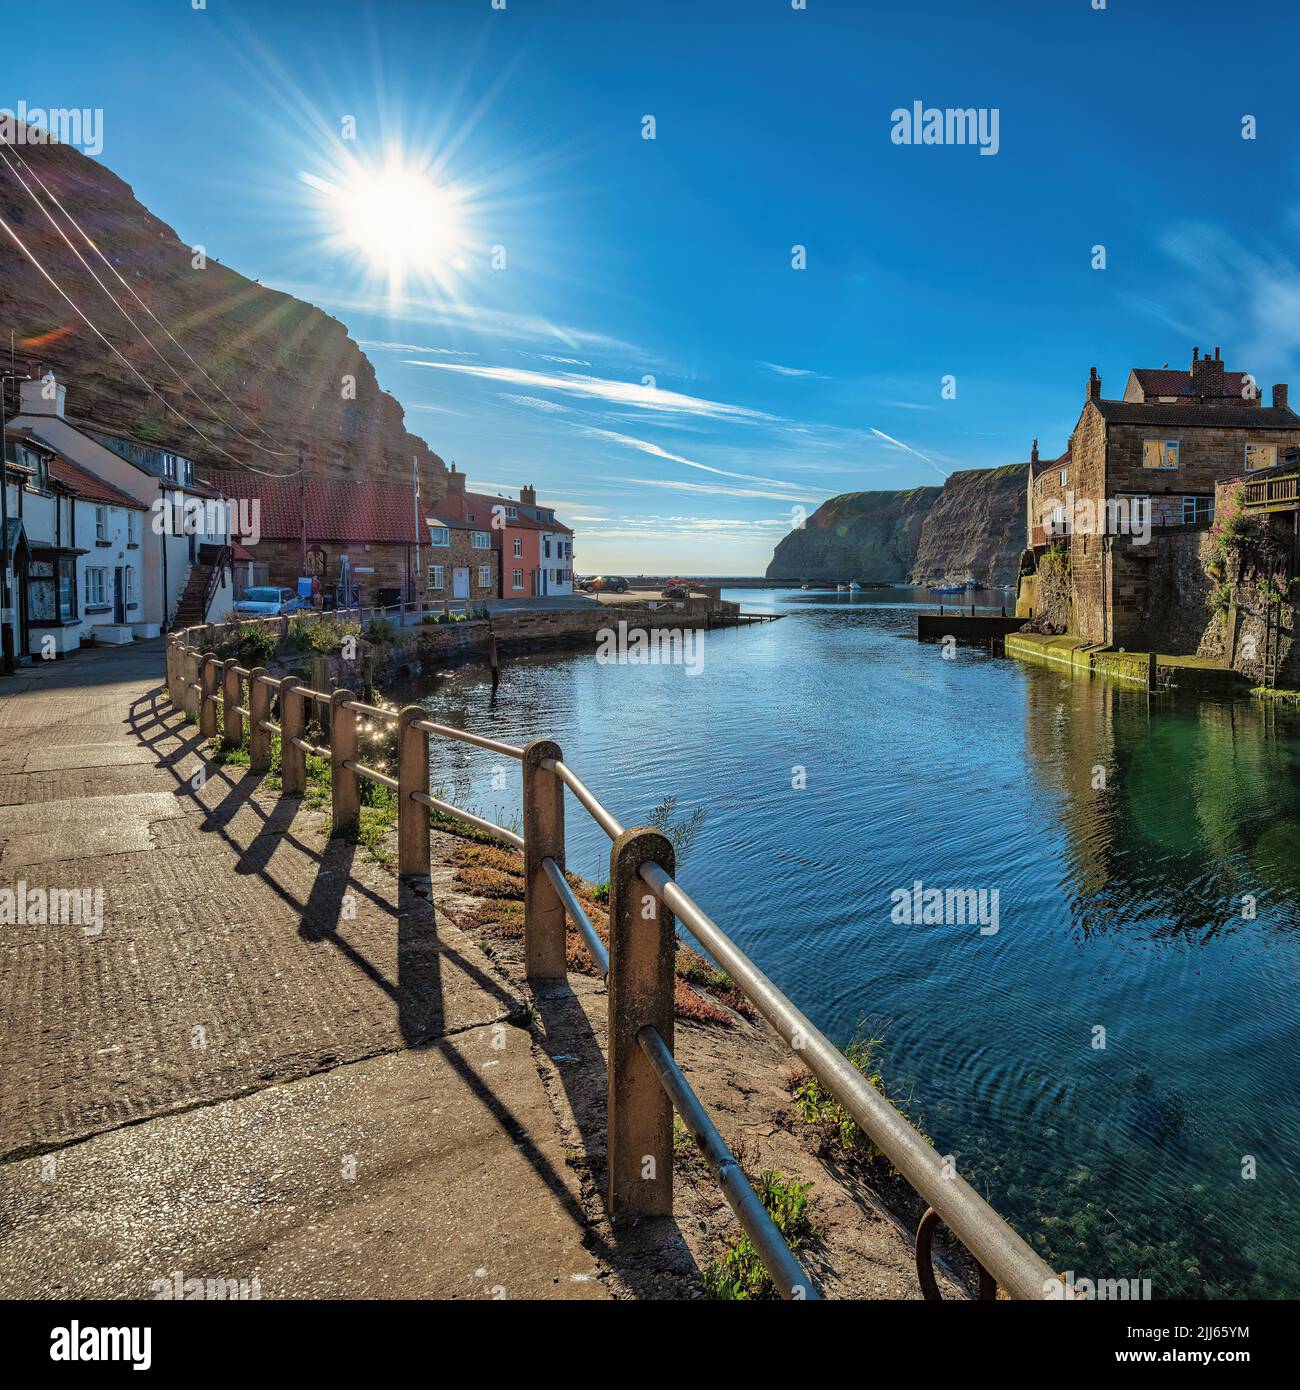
599,951
579,788
469,818
447,731
370,774
970,1218
787,1273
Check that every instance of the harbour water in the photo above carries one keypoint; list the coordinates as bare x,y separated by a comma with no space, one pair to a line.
1111,1064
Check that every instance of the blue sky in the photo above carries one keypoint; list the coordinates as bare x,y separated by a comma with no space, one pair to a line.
670,259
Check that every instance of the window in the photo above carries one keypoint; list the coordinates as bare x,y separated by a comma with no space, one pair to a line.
519,547
512,511
546,547
1197,509
480,540
68,588
1159,453
436,580
130,587
439,535
485,576
1261,455
169,466
516,579
101,523
1065,477
133,528
96,580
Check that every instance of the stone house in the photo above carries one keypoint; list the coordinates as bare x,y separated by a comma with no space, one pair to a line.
464,563
361,541
535,551
1141,473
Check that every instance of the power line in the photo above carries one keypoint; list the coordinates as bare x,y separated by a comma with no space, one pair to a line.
167,405
121,308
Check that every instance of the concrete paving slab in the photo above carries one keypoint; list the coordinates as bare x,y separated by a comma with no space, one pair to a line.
435,1173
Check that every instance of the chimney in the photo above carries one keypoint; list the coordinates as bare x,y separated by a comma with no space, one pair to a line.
1207,375
1279,396
1033,453
455,482
528,495
45,396
1094,385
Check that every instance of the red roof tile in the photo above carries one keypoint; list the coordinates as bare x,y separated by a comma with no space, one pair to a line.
89,487
335,509
1163,381
479,501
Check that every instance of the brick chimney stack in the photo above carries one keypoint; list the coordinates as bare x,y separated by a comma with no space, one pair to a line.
1207,375
1279,396
1033,453
528,495
1094,385
455,482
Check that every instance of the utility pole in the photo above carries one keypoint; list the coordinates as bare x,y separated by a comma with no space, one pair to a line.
302,508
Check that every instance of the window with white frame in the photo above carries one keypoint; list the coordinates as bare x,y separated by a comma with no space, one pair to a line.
101,523
1260,456
485,576
516,579
1065,477
133,528
480,540
96,587
439,535
512,511
129,583
519,547
1159,453
436,579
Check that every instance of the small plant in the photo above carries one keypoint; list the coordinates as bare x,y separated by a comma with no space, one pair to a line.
680,833
1221,598
1274,588
600,891
381,630
739,1273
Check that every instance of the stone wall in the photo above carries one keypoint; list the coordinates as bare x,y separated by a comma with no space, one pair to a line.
1088,479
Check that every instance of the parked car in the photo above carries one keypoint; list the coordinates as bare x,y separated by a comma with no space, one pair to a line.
584,583
267,602
608,584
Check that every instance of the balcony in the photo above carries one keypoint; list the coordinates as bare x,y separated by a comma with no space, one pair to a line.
1279,493
1040,536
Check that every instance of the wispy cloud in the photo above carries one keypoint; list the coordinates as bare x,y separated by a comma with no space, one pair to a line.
621,393
712,490
535,403
654,450
790,371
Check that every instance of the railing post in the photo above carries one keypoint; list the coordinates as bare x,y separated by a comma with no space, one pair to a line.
293,724
412,776
190,674
345,788
232,722
545,956
259,708
641,988
208,665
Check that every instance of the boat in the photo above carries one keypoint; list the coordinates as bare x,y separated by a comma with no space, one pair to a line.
841,588
947,588
854,586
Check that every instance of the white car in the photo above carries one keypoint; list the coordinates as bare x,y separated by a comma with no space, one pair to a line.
267,603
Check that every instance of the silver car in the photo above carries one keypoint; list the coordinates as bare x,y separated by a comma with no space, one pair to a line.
268,602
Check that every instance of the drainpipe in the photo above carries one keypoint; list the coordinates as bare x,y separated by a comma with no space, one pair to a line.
162,539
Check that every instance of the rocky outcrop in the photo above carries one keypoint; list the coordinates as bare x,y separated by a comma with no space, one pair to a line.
971,528
976,528
292,370
867,536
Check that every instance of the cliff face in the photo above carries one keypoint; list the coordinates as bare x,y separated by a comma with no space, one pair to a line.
972,527
976,529
282,361
858,535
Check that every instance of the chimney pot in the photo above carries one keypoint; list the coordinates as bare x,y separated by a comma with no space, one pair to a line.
1196,352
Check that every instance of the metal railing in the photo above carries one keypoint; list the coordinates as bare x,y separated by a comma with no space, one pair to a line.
645,1083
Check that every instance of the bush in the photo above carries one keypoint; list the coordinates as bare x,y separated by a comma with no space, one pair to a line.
307,633
381,630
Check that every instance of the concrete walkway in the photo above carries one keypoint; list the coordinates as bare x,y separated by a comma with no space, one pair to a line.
270,1063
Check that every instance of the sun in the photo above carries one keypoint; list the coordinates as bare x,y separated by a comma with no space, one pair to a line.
401,220
398,218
